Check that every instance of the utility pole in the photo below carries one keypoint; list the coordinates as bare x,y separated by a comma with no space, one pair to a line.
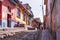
43,14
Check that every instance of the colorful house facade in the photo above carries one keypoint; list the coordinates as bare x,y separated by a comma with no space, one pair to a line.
12,13
28,8
8,17
0,13
35,22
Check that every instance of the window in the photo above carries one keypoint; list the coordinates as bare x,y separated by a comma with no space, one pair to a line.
18,13
9,9
24,17
0,22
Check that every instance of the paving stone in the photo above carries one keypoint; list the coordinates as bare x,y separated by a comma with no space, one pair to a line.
36,35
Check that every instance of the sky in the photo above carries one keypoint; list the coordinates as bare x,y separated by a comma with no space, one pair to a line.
36,8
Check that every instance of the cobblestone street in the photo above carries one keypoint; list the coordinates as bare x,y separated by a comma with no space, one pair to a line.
58,34
29,19
36,35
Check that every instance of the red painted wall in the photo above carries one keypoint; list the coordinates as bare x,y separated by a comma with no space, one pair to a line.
7,3
0,10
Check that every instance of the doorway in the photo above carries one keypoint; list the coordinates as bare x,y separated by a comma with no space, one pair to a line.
8,20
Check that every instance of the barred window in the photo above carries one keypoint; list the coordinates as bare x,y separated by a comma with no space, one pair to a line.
18,13
24,17
9,9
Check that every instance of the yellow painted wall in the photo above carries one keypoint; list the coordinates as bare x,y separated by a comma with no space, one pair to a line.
20,20
21,17
26,19
21,14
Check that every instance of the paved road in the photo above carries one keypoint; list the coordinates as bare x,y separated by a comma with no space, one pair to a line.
46,35
36,35
58,34
18,36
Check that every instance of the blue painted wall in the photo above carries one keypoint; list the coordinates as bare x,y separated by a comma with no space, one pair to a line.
4,23
12,24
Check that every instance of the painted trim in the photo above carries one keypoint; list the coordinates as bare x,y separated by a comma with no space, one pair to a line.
20,20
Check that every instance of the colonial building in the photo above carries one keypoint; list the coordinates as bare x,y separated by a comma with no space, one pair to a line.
28,8
13,14
35,22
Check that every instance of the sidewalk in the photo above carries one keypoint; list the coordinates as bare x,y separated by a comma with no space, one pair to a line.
10,31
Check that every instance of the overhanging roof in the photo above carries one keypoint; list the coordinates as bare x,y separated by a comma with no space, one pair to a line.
14,1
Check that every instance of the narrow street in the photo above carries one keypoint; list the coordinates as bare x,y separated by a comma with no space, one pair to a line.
46,35
29,19
36,35
58,34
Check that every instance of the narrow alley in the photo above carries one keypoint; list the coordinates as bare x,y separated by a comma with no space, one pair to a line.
29,19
